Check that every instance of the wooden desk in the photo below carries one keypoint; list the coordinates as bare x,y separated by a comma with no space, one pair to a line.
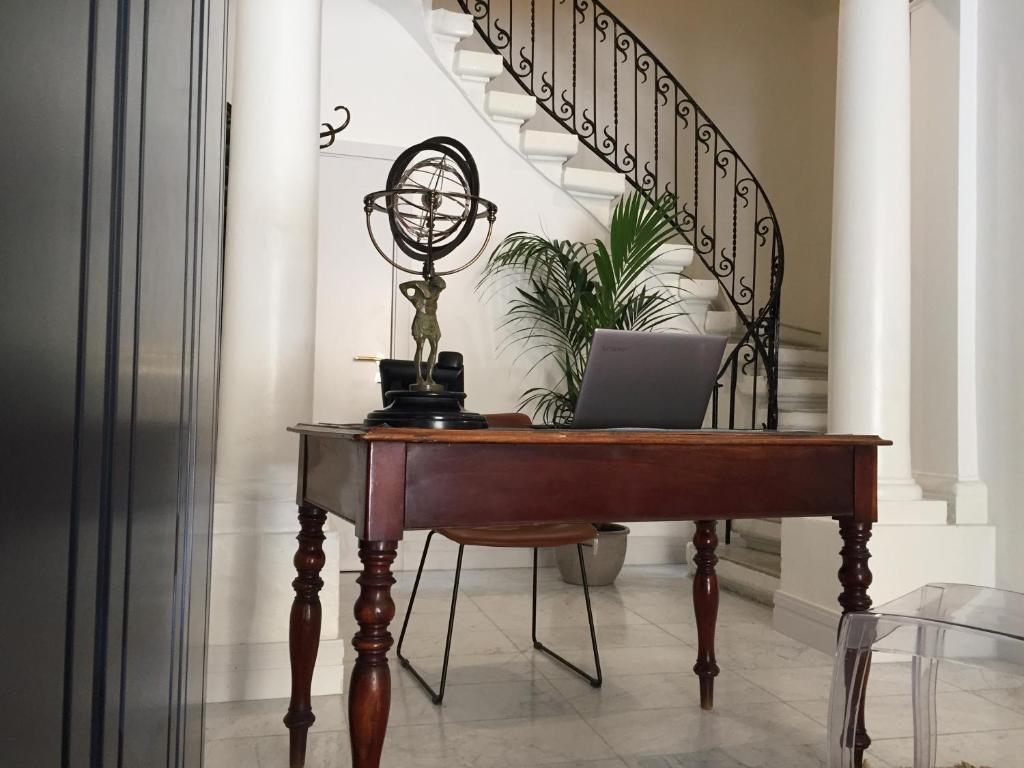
386,481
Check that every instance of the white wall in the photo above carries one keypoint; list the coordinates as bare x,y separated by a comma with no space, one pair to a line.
1001,276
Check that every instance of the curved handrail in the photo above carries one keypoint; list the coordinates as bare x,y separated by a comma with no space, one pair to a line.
729,221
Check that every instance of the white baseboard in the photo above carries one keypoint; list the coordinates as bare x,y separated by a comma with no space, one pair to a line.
263,671
808,622
655,550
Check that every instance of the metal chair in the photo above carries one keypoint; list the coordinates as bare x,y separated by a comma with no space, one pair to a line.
535,537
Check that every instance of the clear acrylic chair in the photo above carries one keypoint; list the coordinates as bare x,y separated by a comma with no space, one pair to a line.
959,623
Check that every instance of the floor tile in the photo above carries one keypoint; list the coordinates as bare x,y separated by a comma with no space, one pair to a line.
1012,698
745,756
233,753
472,668
563,608
473,633
507,700
623,661
970,678
630,693
890,717
993,749
510,706
234,719
805,683
683,730
608,636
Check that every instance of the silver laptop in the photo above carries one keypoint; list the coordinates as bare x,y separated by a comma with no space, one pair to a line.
639,379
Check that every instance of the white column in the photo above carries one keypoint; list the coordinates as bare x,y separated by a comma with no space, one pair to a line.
869,344
971,493
267,354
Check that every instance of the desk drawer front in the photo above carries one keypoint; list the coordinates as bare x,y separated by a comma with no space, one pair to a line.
496,484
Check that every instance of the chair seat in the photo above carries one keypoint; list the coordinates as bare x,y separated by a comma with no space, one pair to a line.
528,536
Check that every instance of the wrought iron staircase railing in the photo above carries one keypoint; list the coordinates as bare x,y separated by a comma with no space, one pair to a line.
596,79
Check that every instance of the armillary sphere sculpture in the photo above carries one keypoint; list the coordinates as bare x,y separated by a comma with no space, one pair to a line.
432,202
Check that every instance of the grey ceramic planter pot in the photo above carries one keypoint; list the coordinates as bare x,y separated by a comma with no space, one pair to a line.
603,560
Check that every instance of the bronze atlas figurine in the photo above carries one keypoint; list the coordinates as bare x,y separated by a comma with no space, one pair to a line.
432,201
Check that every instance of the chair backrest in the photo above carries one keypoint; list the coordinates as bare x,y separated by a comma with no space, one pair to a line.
449,372
508,420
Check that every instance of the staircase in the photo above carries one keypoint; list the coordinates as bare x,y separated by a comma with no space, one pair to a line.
548,150
750,565
576,93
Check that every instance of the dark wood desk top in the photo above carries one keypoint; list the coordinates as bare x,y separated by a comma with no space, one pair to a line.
523,436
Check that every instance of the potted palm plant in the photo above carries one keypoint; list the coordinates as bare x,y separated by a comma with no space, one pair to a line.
563,292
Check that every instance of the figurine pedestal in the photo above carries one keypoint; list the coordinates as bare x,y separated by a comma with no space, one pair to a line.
426,410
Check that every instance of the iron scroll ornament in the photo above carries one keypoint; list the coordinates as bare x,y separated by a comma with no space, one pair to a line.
330,132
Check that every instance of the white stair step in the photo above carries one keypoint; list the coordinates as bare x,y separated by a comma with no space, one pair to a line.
508,112
698,290
674,257
597,183
797,362
451,24
754,575
760,535
549,144
803,357
448,29
595,190
762,562
759,527
813,419
789,388
803,421
475,65
517,107
549,150
721,322
475,71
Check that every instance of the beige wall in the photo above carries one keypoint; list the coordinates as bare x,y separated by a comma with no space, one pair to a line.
764,70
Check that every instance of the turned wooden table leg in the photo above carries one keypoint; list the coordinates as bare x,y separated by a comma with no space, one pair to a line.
369,696
855,577
304,629
705,607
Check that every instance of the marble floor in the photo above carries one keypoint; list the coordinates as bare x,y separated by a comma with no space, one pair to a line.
508,706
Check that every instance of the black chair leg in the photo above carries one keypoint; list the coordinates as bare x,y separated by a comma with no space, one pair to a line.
435,696
594,681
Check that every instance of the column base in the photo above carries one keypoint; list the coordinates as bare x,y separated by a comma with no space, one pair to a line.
967,499
904,557
913,512
898,489
262,671
251,597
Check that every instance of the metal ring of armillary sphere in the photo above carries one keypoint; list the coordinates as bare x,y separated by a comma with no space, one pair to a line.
432,202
